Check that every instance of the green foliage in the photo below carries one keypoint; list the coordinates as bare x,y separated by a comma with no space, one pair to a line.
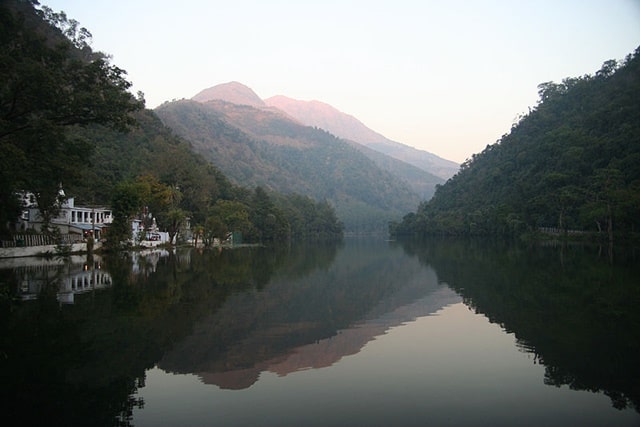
309,219
49,84
174,219
269,221
64,108
214,228
126,202
262,148
572,163
420,181
153,153
172,179
228,216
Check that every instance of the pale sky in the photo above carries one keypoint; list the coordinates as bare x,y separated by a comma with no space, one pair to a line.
448,77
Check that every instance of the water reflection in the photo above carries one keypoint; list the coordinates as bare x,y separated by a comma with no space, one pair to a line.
302,321
569,306
234,317
67,275
311,314
226,316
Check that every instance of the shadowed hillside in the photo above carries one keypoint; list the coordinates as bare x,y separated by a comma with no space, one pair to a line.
264,147
422,171
572,163
324,116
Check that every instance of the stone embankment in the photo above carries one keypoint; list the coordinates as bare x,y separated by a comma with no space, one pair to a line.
45,250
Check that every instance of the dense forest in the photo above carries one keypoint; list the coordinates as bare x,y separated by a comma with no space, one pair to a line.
171,181
51,82
572,164
67,119
267,148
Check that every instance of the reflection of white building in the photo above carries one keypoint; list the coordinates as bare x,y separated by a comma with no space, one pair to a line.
146,261
90,279
71,219
70,279
75,274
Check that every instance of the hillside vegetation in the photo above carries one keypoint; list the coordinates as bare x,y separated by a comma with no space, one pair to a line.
419,181
67,119
419,170
265,147
51,81
324,116
572,163
155,162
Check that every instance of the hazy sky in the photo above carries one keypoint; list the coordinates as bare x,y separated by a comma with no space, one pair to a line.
448,77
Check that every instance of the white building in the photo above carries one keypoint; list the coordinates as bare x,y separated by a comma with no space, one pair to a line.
148,237
71,219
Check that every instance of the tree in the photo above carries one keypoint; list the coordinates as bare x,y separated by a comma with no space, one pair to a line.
51,83
213,228
163,202
198,232
606,192
233,214
126,202
174,219
573,162
268,220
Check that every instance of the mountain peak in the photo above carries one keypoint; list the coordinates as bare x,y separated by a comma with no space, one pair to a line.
233,92
324,116
327,117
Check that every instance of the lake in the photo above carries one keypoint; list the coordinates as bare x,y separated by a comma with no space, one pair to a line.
364,332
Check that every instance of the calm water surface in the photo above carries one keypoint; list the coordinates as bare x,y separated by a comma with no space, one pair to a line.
361,333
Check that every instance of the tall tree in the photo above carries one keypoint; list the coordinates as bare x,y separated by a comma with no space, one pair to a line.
268,220
50,83
126,203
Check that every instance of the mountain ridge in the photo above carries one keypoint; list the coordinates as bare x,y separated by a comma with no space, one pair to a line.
322,115
264,147
343,125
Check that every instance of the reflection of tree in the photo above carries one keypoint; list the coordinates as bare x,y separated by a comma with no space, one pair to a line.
48,368
305,257
310,298
69,364
194,311
578,313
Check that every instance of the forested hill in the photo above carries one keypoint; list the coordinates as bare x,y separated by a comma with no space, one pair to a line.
324,116
573,162
255,146
67,118
421,170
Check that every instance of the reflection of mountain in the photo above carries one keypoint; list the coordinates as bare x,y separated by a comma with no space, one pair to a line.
327,351
568,305
309,322
350,341
69,363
